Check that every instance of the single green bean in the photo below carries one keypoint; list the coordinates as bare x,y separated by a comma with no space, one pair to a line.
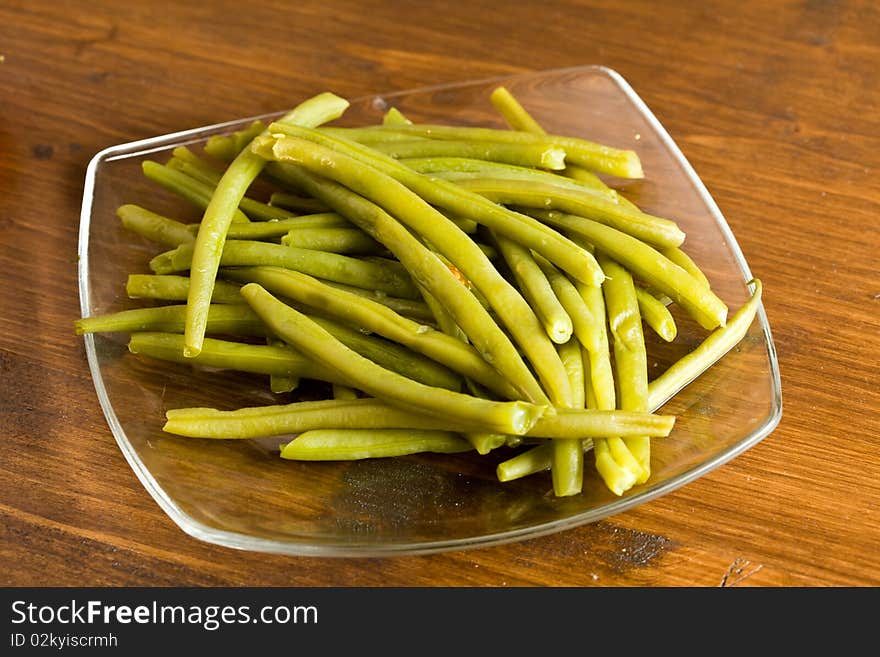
709,351
414,309
656,315
376,318
372,413
630,355
353,444
333,240
175,288
525,155
236,180
228,355
536,289
430,274
567,460
344,392
265,230
304,334
155,227
648,264
652,230
222,319
390,278
684,261
405,205
460,202
296,202
592,156
395,117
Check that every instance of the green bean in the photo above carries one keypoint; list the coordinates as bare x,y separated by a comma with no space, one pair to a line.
232,187
484,442
391,355
376,318
226,147
532,461
567,460
344,392
514,113
394,117
389,278
460,202
524,155
222,319
187,188
649,265
526,193
353,444
155,227
296,202
709,351
684,261
372,413
264,230
595,157
333,240
445,237
461,168
656,315
175,288
630,356
304,334
228,355
430,274
446,322
536,289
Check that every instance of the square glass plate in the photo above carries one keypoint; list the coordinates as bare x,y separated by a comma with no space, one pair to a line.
241,494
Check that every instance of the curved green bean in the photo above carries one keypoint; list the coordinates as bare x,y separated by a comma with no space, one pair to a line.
300,332
232,187
388,277
656,315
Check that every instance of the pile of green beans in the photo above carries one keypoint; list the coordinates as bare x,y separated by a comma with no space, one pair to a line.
454,290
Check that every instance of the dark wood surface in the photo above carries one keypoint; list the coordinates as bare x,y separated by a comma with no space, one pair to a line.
777,106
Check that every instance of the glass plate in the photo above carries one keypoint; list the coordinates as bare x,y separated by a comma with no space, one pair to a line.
242,495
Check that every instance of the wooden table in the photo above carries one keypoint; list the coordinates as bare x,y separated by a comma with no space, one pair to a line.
775,104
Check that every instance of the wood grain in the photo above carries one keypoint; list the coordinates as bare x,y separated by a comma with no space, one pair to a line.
776,105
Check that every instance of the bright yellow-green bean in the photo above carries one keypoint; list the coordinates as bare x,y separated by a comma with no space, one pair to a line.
281,383
445,238
430,274
349,240
296,202
524,155
684,261
353,444
656,315
630,355
536,289
390,278
710,350
372,413
567,461
266,230
222,319
463,203
226,147
648,264
652,230
175,288
302,333
155,227
394,117
232,187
